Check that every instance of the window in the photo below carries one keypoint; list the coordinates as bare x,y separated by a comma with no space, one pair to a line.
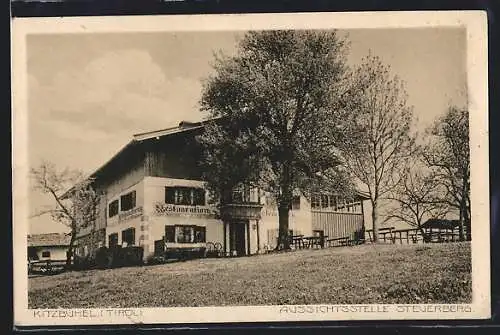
170,234
189,196
318,233
113,240
237,196
199,197
315,201
244,194
128,236
183,196
113,208
324,201
170,195
269,201
296,202
185,234
46,254
199,234
127,201
334,202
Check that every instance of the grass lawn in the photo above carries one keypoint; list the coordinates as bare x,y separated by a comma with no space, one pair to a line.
438,273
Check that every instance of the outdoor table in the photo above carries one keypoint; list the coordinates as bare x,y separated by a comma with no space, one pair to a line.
297,241
311,241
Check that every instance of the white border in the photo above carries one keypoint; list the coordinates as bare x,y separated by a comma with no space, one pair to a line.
474,21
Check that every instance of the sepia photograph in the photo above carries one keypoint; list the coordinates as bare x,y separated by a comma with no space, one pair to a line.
250,167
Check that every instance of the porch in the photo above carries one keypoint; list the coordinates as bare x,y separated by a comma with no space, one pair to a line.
241,228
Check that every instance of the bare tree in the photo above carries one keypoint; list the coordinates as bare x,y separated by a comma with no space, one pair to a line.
381,139
416,197
75,202
447,155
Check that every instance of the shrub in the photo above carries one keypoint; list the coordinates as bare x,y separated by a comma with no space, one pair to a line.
155,259
103,258
83,263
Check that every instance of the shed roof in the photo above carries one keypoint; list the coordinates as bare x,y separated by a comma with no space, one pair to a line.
441,224
46,240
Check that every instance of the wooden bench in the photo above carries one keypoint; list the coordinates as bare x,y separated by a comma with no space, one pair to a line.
341,241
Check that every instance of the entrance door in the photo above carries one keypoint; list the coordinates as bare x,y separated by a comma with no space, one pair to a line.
237,238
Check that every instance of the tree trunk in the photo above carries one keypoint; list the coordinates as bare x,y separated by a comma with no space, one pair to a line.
284,202
283,240
467,221
375,221
69,254
461,235
422,231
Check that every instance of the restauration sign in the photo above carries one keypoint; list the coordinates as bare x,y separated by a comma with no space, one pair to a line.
170,209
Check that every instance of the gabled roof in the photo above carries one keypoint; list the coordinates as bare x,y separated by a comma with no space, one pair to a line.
183,126
49,240
441,224
362,195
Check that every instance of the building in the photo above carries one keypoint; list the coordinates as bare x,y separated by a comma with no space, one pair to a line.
44,247
153,197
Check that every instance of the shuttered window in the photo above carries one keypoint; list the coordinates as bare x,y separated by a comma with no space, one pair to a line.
199,234
128,236
189,196
127,201
185,234
113,240
113,208
170,234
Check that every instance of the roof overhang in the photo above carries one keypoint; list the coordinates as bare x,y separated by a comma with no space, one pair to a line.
182,127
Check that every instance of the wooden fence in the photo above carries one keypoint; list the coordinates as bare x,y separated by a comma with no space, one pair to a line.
414,235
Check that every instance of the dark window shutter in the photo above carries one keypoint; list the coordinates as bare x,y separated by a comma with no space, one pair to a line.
199,197
132,230
133,200
200,234
169,195
170,234
113,208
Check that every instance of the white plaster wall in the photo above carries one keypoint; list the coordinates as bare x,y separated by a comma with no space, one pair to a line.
118,228
156,228
56,253
300,221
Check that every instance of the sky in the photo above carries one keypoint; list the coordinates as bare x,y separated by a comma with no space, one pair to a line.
89,93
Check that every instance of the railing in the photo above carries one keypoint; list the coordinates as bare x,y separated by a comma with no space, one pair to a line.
414,235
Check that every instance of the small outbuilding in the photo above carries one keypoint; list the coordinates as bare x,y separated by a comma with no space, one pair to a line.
44,247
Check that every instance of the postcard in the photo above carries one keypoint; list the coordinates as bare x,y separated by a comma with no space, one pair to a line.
250,168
